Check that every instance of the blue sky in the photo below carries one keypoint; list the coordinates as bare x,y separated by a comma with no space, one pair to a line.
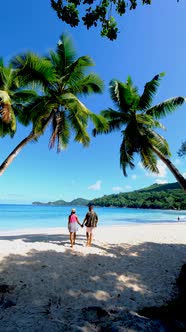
151,40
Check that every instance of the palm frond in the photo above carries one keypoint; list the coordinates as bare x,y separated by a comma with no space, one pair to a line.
1,62
123,95
149,92
90,84
147,121
100,123
111,114
63,132
60,131
24,95
65,50
114,122
160,143
79,125
182,149
168,106
78,116
126,157
149,159
8,80
32,68
81,135
8,128
72,103
76,71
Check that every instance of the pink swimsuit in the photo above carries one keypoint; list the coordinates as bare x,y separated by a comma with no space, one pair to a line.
73,218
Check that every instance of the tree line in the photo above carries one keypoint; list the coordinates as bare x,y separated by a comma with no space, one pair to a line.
146,199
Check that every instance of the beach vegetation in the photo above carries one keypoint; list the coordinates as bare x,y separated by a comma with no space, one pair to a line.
138,121
182,149
98,14
167,196
168,199
58,82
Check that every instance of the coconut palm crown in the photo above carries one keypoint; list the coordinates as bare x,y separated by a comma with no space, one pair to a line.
62,79
137,120
59,79
12,97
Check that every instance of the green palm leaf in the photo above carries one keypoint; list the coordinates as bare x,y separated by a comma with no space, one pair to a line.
160,143
148,159
166,107
76,71
140,120
60,131
124,95
7,128
34,69
126,157
100,123
65,51
149,92
88,85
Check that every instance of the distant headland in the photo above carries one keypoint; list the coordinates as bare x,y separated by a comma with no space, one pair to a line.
60,202
156,196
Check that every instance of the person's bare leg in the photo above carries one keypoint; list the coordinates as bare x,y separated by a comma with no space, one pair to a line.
74,238
71,239
87,234
90,239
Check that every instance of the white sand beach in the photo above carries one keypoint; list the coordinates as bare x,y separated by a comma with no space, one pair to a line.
50,285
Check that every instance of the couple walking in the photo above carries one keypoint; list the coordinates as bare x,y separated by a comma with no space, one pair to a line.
90,221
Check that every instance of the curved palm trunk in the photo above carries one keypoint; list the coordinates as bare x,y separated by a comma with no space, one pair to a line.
15,152
179,177
21,145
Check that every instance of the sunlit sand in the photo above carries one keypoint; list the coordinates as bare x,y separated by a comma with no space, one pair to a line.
127,268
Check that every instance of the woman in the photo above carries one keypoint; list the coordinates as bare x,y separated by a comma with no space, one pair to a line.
73,222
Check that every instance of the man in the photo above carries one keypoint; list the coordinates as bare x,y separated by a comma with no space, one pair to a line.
90,221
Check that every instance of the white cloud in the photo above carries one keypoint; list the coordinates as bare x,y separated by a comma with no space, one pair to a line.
159,181
184,174
134,176
117,189
128,187
161,167
95,186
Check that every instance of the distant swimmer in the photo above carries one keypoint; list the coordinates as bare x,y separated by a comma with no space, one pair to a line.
178,218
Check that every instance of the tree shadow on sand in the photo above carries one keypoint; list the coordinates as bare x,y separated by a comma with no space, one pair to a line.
59,239
87,291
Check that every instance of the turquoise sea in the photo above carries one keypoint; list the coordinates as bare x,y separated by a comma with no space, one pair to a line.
14,217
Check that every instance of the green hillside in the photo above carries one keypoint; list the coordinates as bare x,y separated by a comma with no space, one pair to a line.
75,202
160,187
166,196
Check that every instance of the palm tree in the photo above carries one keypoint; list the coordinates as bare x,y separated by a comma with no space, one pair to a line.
59,80
12,97
137,120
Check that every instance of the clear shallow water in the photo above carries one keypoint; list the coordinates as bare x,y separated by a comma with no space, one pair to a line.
29,216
